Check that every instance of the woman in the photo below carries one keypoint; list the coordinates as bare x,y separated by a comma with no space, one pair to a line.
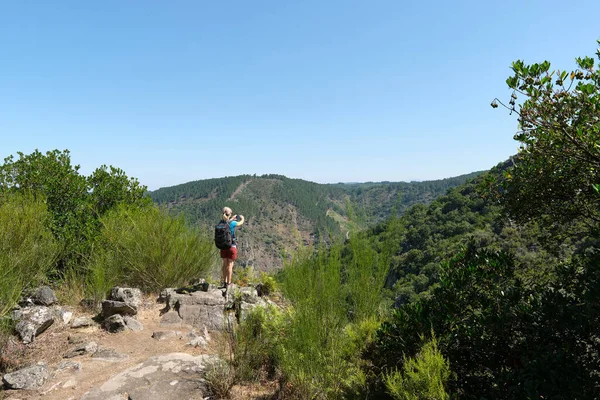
229,255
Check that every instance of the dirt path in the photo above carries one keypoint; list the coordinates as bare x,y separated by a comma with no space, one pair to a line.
72,384
239,189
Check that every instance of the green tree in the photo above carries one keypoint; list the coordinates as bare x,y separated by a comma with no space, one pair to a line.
556,175
75,202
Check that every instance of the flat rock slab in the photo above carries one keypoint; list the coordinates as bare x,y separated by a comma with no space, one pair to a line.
169,376
213,297
106,354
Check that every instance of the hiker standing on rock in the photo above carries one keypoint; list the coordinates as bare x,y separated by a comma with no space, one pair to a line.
225,240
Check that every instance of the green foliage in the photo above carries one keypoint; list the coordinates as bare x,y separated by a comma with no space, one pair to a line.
558,164
258,344
74,201
27,249
423,377
321,349
268,284
502,340
147,248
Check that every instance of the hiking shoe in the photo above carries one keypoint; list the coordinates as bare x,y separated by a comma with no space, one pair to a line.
223,285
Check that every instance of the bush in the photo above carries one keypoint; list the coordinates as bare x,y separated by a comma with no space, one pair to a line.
149,249
268,285
422,378
27,248
335,296
257,347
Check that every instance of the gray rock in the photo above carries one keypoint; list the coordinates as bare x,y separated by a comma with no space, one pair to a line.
171,318
202,309
87,348
82,322
199,316
17,314
114,324
34,321
44,296
132,323
130,296
198,341
65,365
63,315
169,376
249,295
165,335
165,295
27,378
112,307
106,354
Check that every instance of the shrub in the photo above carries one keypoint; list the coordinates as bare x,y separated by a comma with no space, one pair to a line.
27,248
422,378
219,376
149,249
268,285
335,294
257,346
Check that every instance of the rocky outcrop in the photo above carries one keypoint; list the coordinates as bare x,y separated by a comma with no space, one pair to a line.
27,378
169,376
211,309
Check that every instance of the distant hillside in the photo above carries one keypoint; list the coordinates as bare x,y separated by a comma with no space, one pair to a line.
283,214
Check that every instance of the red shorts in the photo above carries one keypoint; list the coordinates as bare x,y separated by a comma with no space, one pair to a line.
230,253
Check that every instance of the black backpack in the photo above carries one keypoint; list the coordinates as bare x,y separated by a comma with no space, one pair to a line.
223,239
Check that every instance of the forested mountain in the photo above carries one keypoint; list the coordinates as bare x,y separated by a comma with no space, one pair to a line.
283,213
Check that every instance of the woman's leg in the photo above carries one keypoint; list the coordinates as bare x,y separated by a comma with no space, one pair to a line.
229,270
225,270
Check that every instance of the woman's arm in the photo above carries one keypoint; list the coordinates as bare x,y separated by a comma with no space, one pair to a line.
241,220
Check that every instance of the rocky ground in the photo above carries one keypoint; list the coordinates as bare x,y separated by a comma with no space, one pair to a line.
156,362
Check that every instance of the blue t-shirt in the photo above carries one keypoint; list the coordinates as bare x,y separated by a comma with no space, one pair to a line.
232,225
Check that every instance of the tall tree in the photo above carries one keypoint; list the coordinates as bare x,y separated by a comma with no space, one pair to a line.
557,170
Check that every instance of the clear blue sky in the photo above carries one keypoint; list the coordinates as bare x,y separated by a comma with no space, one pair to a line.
326,91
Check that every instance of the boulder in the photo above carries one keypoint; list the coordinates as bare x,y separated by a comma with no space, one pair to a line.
130,296
27,378
132,323
112,307
168,376
44,296
115,323
34,321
